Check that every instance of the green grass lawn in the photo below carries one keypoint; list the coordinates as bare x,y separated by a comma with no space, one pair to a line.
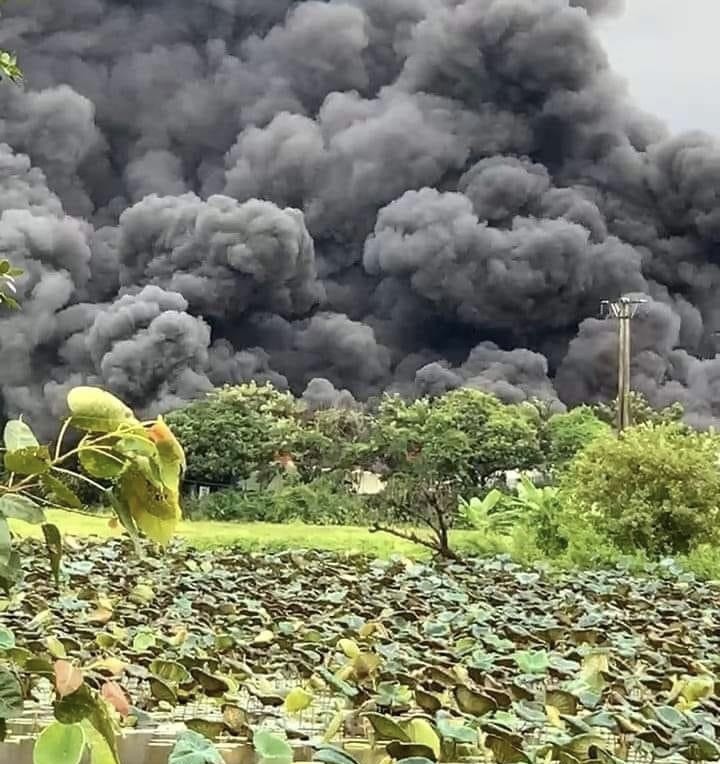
255,536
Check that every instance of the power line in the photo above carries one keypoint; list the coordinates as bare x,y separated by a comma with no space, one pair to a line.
624,310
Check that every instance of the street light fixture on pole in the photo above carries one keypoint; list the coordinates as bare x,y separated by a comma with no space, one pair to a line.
624,309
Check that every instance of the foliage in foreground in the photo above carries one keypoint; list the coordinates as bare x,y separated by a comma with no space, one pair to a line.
489,655
141,465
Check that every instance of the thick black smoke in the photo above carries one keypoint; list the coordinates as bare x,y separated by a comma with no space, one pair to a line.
345,197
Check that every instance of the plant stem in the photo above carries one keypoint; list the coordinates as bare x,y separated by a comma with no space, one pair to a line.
61,437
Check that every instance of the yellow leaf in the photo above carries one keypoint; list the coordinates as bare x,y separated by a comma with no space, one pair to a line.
180,636
265,637
298,700
553,716
112,666
100,615
170,452
55,647
156,513
96,410
365,665
421,731
335,725
349,647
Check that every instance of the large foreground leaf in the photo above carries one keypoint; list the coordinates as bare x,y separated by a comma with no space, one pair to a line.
59,744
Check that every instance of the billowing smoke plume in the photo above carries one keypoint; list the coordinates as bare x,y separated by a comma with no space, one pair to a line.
345,197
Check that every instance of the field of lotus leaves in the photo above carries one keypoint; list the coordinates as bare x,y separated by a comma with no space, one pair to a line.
474,660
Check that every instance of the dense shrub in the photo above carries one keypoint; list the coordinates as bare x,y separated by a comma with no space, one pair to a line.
656,488
564,435
331,439
641,412
236,431
319,502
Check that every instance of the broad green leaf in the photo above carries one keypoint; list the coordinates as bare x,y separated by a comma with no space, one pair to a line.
155,514
700,748
96,410
386,728
170,672
422,732
504,751
137,444
76,707
429,703
212,684
59,744
193,748
162,691
532,662
18,507
18,436
55,647
693,689
100,463
142,594
53,542
11,697
28,461
102,722
349,647
60,493
272,748
475,703
143,641
7,639
451,729
564,702
100,751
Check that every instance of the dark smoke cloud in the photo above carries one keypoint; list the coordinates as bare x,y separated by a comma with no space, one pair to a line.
345,197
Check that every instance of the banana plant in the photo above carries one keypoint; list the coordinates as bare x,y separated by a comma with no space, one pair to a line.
493,514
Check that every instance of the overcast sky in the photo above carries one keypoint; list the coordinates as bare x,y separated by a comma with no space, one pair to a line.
669,51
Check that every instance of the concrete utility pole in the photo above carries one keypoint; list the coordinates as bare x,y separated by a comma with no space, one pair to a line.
624,309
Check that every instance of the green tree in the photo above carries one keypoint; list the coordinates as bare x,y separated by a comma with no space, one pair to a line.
655,488
437,450
332,440
641,411
563,435
236,432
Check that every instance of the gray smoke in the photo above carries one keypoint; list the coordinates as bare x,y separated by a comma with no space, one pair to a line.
345,197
